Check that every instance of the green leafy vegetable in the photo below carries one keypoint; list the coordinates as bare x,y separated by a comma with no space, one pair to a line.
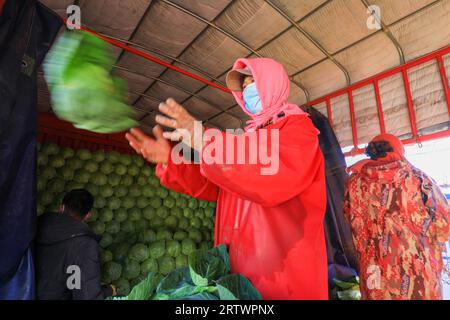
236,287
82,89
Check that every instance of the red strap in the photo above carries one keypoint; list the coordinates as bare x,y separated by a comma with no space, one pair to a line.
2,2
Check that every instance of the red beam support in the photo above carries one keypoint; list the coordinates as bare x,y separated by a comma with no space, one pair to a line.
409,101
329,113
149,57
50,126
352,119
379,107
372,80
383,75
444,80
426,137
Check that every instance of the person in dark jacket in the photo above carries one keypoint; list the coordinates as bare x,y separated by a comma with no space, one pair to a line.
67,252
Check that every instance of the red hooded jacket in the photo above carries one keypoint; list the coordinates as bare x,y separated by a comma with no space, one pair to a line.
271,224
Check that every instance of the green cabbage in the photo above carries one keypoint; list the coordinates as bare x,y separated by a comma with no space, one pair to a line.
106,240
78,73
112,271
149,265
131,269
113,227
120,215
139,252
157,249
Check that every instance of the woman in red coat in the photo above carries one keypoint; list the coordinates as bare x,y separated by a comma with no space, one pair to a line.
271,223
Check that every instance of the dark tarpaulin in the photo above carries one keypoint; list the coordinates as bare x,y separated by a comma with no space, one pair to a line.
27,30
342,262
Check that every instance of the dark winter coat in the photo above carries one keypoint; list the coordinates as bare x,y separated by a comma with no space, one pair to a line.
61,242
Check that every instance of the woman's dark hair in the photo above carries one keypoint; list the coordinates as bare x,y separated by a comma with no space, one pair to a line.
78,201
378,149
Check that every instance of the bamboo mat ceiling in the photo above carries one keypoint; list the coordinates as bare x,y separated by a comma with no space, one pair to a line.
324,45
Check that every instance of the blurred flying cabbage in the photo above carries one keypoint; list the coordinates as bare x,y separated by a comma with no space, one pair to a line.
83,91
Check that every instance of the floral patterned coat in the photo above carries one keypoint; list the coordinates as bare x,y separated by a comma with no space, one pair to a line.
399,219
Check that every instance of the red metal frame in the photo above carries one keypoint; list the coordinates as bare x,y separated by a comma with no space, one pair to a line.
444,80
379,107
330,114
149,57
52,129
352,118
409,101
374,80
383,75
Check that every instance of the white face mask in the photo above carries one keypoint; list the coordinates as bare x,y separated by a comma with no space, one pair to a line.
251,99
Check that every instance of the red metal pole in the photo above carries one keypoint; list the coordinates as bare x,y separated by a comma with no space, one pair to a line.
382,75
352,118
379,106
150,57
329,113
444,80
427,137
412,117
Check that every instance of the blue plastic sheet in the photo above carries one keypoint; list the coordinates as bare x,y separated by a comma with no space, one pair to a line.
27,30
22,285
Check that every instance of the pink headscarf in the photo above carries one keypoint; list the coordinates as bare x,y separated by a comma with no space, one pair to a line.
273,85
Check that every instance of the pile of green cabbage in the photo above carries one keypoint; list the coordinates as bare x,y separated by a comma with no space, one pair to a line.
83,92
206,278
144,227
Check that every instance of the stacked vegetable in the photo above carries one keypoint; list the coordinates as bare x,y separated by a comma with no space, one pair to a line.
144,227
206,278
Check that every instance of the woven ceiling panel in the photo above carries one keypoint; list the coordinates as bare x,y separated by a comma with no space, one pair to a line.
425,31
371,56
339,24
199,108
167,29
238,112
163,92
321,79
147,104
297,95
367,124
222,99
113,17
207,9
297,9
136,83
182,80
341,120
293,50
428,95
395,109
393,10
59,6
141,65
214,52
252,21
227,121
